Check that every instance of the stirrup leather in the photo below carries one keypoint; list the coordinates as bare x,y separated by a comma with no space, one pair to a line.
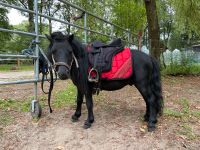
93,75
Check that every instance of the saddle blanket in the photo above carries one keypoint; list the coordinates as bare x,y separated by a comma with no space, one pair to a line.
121,66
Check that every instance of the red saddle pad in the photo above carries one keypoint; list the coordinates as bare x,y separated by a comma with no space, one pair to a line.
121,66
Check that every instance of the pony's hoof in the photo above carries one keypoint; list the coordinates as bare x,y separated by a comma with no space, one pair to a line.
151,129
74,118
87,125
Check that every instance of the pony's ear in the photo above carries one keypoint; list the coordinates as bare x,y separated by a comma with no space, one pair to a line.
48,37
71,37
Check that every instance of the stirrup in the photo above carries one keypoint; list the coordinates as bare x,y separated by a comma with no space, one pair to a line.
92,78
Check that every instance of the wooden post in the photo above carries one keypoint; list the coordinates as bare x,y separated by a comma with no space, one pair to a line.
18,62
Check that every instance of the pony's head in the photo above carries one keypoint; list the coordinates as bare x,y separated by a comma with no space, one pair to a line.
61,54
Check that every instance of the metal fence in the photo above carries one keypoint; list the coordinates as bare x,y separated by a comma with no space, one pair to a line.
36,35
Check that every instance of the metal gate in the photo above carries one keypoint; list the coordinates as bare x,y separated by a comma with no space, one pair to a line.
37,36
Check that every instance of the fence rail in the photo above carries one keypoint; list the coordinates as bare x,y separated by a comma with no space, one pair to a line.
65,22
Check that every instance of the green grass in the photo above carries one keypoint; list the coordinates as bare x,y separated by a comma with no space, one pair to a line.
65,97
6,119
185,106
175,69
11,104
173,113
185,114
187,131
8,105
196,114
62,98
8,67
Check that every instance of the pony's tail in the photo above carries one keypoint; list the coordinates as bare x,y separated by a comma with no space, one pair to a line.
156,86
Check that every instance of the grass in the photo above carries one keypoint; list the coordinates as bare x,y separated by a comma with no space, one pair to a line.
175,69
173,113
8,105
8,67
62,98
6,119
184,111
185,115
187,131
65,97
196,114
11,104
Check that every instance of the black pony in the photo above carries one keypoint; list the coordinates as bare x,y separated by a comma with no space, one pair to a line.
71,61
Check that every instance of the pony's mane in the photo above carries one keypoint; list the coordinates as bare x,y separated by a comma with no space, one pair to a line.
58,36
78,47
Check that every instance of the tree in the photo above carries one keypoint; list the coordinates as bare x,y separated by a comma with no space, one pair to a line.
129,15
133,11
27,4
18,42
4,23
187,19
51,8
166,19
99,8
153,28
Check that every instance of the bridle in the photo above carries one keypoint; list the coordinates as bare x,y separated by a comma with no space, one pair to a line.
55,64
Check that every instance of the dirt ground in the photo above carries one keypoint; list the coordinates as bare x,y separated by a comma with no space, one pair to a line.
118,121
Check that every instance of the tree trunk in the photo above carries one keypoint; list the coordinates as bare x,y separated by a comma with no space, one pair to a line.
163,59
18,62
31,27
67,17
50,26
153,28
41,8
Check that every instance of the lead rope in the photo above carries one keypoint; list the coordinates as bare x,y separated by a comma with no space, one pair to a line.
51,80
50,89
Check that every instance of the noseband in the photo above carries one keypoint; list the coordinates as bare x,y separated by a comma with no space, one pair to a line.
55,64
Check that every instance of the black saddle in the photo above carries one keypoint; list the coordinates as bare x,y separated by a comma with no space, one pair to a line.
115,43
100,56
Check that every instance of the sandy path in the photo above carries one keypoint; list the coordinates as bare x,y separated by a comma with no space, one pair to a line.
118,123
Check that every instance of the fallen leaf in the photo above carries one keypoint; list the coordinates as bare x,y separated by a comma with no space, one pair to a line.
142,130
59,148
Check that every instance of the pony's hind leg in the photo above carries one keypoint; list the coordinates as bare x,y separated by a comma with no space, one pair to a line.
152,112
79,101
150,99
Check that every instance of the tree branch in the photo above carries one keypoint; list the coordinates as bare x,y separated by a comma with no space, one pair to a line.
22,2
78,17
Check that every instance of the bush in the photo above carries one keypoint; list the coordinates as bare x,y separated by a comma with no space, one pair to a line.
176,69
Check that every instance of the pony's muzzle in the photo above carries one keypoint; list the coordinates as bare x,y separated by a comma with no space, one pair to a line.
63,73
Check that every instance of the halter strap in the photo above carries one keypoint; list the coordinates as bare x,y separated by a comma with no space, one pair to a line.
65,64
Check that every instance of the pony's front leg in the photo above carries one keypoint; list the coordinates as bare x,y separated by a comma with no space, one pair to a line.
79,101
89,103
